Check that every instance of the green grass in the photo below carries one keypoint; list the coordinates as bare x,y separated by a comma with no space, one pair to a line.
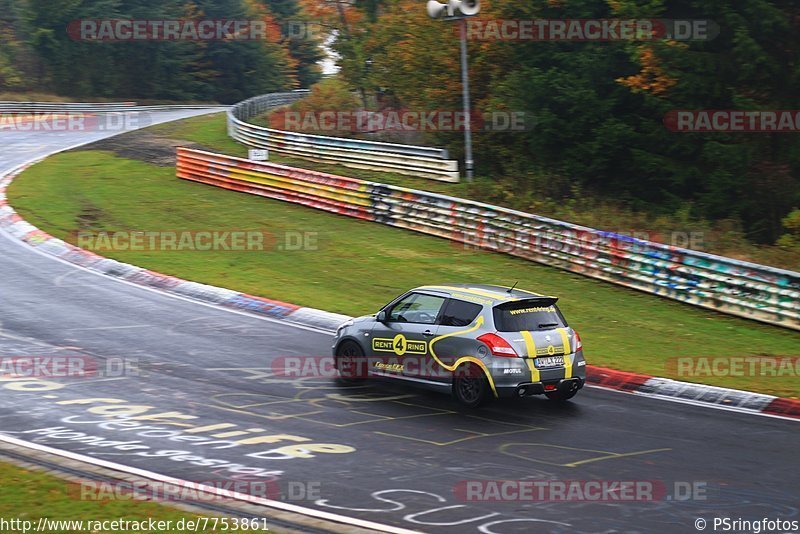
360,265
29,495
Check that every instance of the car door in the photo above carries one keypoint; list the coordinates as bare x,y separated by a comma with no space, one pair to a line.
400,343
453,337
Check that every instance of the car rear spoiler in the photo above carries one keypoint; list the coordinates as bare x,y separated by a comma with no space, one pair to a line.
533,302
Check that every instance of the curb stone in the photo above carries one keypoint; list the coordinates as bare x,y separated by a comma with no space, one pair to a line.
665,387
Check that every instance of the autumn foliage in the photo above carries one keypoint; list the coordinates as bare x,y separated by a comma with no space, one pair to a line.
598,107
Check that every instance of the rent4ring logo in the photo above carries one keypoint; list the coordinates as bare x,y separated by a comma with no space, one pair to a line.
66,366
399,345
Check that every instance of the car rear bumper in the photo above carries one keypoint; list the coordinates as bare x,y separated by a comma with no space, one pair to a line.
527,389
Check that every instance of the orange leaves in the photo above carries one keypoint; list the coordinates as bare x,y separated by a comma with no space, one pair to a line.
651,78
333,14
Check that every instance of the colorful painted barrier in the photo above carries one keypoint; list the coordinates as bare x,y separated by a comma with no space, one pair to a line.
403,159
722,284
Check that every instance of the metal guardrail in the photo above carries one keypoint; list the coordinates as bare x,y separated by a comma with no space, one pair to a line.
715,282
404,159
7,106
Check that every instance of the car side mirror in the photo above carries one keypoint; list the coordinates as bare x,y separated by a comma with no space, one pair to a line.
381,317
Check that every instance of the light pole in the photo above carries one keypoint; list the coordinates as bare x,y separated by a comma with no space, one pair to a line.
459,10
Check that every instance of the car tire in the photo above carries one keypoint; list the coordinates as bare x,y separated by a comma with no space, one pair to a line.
470,387
349,362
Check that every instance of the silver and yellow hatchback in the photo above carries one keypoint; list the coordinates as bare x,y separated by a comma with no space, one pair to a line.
477,341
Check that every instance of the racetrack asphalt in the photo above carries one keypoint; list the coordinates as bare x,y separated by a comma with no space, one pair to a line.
379,452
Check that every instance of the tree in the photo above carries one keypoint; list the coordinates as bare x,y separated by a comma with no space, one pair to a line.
599,107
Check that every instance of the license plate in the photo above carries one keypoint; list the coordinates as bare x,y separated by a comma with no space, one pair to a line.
551,361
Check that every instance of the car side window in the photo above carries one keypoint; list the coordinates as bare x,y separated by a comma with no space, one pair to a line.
416,308
460,313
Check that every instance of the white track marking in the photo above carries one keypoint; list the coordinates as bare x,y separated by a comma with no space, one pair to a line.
278,505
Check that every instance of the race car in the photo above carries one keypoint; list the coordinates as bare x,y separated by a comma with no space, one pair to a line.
477,341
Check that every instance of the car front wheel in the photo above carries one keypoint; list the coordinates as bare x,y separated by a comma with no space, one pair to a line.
350,362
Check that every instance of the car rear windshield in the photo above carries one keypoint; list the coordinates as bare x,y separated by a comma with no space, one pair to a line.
540,314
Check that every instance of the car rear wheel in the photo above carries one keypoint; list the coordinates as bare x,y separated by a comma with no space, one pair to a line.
470,387
349,363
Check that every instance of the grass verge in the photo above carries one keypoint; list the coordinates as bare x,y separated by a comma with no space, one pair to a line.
30,495
358,266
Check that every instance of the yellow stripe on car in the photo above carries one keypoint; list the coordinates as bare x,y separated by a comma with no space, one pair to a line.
567,351
459,361
480,364
530,346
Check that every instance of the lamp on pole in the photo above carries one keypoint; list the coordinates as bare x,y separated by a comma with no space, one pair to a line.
459,10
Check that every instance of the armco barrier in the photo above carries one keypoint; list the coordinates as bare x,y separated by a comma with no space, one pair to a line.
723,284
404,159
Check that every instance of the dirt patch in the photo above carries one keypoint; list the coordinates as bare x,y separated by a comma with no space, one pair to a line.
89,216
143,146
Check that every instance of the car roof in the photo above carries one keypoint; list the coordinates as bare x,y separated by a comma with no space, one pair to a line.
484,292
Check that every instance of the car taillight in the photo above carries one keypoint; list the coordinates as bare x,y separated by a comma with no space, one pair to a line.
498,345
578,342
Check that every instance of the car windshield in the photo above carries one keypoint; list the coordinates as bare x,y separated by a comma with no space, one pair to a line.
539,314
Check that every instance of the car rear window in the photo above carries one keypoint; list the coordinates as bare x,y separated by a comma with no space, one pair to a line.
528,315
460,313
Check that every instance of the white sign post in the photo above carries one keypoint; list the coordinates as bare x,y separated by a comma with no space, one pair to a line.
258,154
